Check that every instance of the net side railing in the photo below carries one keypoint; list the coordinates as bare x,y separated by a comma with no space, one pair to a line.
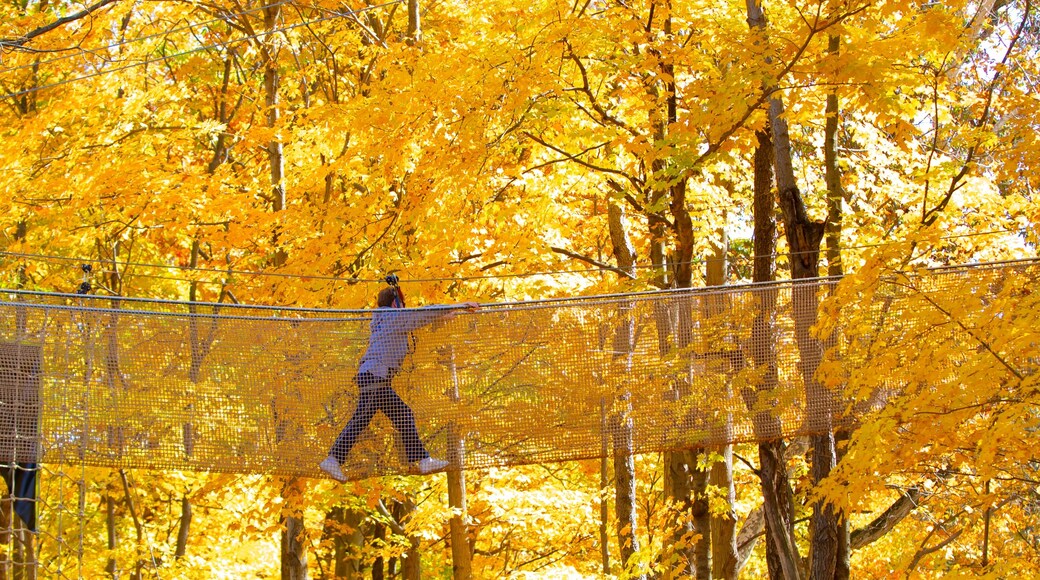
163,385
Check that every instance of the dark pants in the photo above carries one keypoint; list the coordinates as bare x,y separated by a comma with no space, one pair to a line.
378,395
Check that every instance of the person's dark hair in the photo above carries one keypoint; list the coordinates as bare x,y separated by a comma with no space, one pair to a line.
387,296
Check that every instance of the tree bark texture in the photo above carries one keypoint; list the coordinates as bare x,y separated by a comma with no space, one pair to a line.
293,544
183,529
803,239
276,159
723,527
778,506
621,421
461,559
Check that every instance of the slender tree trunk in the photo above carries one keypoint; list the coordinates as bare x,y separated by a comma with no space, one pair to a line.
678,488
185,527
696,504
379,565
293,544
272,13
27,559
604,485
621,421
461,560
110,528
414,23
688,490
723,527
835,197
293,548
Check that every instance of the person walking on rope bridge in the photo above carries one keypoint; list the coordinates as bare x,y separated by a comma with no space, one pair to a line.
388,344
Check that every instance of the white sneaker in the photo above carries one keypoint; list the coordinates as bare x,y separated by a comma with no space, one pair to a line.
429,465
331,467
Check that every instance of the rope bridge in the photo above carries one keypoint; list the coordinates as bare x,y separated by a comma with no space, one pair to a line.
130,383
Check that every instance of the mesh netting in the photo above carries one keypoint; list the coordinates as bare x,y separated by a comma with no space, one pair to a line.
166,385
100,381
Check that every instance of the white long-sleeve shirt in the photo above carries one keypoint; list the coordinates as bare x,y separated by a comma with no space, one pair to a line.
388,341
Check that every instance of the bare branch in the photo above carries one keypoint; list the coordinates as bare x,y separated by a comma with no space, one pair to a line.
574,157
19,43
592,261
887,520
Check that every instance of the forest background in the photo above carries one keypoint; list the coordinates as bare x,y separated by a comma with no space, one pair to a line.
292,152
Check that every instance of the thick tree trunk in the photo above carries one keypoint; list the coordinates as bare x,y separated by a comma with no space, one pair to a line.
344,527
778,506
803,239
411,562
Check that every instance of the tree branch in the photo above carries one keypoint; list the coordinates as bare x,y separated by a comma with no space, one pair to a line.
592,261
887,520
586,89
574,157
19,43
930,215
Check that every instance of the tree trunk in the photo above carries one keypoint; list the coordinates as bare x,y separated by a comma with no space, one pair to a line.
724,527
110,528
380,564
344,526
294,552
778,506
414,23
184,528
275,158
621,421
835,197
461,560
695,480
699,555
678,488
293,544
604,484
411,563
803,239
26,560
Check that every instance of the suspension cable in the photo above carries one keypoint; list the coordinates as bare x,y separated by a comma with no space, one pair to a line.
355,280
